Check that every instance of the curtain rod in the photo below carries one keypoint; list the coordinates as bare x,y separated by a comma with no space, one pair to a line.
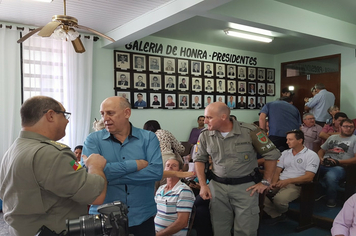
95,38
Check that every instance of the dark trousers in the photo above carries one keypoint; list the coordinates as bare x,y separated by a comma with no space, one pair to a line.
320,123
202,223
279,142
147,228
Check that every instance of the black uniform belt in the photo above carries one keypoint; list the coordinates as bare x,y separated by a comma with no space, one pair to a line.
233,181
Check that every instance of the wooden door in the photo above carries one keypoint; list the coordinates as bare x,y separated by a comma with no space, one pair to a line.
303,83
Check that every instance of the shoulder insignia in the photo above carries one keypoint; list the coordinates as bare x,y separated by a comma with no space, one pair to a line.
59,146
262,137
76,166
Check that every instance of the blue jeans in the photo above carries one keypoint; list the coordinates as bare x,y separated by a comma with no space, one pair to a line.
331,179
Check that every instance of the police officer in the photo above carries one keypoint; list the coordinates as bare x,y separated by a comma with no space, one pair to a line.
41,182
232,146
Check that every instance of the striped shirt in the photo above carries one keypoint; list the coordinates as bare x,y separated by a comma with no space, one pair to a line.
179,199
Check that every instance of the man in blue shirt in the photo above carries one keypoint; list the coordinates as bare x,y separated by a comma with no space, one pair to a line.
140,102
134,163
282,117
320,104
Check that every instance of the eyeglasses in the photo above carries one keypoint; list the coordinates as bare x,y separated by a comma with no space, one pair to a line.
348,126
66,114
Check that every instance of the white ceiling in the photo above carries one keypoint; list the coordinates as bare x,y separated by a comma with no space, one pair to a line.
298,24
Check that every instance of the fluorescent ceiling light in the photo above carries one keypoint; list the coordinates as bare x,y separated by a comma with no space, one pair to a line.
246,35
250,29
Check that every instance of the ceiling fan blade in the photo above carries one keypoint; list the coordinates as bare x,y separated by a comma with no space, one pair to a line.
29,35
78,45
95,32
49,29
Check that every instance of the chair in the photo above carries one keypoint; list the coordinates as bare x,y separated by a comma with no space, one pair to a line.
187,147
191,220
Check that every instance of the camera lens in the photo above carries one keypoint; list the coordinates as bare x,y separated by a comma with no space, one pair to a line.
89,225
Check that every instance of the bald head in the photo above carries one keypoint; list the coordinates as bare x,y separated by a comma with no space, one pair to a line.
120,102
217,117
219,108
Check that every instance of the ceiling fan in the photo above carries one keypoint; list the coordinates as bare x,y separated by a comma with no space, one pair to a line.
62,26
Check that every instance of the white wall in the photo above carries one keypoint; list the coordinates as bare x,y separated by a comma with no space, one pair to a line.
348,71
178,122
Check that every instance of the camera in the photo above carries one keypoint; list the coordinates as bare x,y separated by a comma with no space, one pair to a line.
328,162
112,221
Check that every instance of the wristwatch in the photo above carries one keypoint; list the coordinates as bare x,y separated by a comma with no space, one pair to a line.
265,182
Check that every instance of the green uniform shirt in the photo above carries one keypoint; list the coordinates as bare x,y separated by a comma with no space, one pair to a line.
233,156
39,186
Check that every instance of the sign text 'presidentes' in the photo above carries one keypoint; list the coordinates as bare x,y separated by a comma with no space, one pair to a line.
157,48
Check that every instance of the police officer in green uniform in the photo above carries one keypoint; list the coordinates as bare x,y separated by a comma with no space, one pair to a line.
232,146
40,181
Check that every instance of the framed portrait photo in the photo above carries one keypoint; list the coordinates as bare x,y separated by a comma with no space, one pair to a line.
208,69
220,70
231,102
261,101
170,100
183,83
122,60
140,100
123,94
183,66
154,64
169,65
220,98
220,85
208,99
270,89
242,87
261,74
196,101
231,86
140,81
251,73
208,85
139,62
251,102
241,104
122,79
155,81
231,72
196,84
170,82
270,75
251,88
155,100
241,72
195,68
183,100
261,88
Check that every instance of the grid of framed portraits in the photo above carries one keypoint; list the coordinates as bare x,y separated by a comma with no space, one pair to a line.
150,81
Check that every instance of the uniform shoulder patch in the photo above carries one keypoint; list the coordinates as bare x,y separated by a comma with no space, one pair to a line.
59,146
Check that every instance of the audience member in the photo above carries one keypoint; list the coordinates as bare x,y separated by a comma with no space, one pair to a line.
78,152
320,104
41,183
194,134
338,151
311,132
332,111
131,179
286,92
297,165
344,223
313,92
333,128
174,203
98,125
232,180
282,117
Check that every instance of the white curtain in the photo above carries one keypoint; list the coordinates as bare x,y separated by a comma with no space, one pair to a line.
66,76
10,87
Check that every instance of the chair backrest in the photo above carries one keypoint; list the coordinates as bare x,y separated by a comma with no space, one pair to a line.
188,147
191,220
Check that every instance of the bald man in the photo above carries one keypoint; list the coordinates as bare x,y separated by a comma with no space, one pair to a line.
134,163
233,189
41,182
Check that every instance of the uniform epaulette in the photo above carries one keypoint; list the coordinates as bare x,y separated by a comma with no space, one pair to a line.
59,146
248,126
203,130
